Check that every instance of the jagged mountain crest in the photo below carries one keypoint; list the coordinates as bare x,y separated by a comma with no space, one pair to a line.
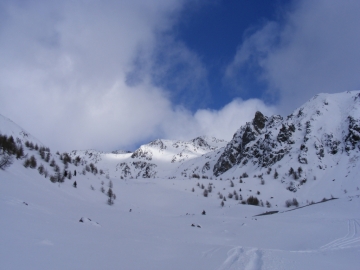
327,124
317,142
320,139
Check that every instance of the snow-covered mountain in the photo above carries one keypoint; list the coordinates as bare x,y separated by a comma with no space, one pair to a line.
318,143
313,152
319,133
303,167
159,158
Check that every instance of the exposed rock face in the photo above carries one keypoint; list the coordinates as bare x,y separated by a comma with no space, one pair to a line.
142,154
255,142
259,121
353,138
325,125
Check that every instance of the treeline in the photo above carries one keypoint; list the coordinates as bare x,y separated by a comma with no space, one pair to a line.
11,148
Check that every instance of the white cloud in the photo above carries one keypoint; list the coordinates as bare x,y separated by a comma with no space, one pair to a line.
314,49
64,75
218,123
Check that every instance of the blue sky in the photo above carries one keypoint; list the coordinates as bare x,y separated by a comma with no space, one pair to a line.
115,74
213,31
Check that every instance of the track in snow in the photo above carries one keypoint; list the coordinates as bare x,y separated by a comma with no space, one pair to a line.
351,239
239,258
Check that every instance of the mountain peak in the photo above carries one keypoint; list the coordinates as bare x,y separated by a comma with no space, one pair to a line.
259,121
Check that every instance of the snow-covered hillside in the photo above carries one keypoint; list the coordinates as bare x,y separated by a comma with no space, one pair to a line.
9,128
158,224
144,209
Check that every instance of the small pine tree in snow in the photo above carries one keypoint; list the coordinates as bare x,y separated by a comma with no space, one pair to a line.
5,161
47,157
252,200
19,152
56,168
41,169
52,163
110,195
276,174
288,203
53,179
33,163
205,193
295,202
26,163
60,178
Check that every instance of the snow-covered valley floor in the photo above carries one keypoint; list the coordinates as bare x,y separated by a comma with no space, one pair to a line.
41,229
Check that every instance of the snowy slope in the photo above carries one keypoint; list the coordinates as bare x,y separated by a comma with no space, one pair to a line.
163,187
9,128
42,228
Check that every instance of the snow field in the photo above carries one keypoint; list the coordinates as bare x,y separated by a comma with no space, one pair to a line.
157,233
